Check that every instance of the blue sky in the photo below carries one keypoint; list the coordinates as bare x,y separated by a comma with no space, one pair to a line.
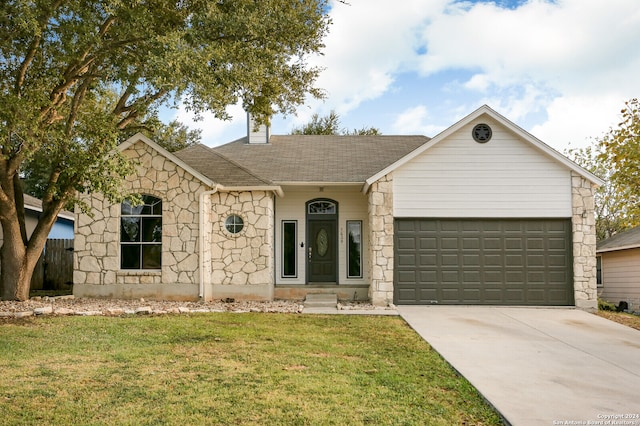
560,69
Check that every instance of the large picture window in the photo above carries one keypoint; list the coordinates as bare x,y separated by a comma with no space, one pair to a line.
289,249
354,248
141,234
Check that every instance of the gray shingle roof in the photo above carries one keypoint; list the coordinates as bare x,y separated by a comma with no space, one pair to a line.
219,168
320,158
623,240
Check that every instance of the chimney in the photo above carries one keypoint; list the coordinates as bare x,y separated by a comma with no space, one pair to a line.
260,136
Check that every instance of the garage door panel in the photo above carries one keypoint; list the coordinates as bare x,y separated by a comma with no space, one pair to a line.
471,260
448,259
472,294
428,276
428,243
406,259
406,243
407,278
449,243
492,243
472,276
428,294
536,261
514,277
534,244
514,296
428,259
513,243
514,260
493,276
488,261
493,259
469,243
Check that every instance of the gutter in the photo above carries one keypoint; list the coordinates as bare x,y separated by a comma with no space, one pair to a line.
201,235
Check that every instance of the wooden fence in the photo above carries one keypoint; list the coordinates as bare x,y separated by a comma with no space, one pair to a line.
54,270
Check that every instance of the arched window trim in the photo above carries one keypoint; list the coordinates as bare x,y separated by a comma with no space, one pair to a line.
322,207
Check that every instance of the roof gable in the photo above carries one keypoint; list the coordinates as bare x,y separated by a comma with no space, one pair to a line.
160,150
474,116
211,168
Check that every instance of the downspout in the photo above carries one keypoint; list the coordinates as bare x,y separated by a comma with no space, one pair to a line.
201,236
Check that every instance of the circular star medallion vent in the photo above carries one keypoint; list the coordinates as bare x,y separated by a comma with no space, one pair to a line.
482,133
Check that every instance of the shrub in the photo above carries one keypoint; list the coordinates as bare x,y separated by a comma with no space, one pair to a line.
603,305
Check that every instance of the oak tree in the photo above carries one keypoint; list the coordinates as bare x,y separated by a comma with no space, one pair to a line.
75,74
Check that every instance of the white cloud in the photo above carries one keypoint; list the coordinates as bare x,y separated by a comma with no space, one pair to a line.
575,121
369,41
415,120
562,69
216,131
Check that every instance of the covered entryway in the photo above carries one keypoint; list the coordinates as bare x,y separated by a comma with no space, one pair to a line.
483,262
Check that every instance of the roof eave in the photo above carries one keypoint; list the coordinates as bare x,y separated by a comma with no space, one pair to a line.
627,247
276,189
318,183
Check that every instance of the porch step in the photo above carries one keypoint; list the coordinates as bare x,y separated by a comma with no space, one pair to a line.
321,300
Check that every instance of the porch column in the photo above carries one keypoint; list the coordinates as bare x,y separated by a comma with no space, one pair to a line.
381,241
584,243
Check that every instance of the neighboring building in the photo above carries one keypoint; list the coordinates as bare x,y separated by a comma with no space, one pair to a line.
62,228
483,213
619,268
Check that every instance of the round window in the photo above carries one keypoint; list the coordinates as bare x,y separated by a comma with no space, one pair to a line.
482,133
234,224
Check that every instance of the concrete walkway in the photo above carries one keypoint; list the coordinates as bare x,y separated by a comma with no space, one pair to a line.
539,366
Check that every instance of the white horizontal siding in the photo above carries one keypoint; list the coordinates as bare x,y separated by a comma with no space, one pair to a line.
506,178
621,277
352,205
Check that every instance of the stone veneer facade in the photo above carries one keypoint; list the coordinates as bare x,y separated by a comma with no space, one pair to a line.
381,252
97,242
234,265
584,242
242,263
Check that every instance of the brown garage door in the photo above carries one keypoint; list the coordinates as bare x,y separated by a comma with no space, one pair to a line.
483,262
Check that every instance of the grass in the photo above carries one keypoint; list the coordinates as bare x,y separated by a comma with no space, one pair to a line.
228,369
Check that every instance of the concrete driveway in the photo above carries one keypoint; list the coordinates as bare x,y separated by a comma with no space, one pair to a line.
539,366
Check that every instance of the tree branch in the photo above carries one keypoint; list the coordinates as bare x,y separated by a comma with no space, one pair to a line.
33,48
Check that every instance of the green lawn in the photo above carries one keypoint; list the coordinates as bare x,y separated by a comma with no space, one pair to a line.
228,369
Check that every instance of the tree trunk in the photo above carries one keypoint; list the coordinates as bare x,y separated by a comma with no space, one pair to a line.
18,258
14,273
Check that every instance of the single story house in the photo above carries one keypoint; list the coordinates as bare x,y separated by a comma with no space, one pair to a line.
619,268
483,213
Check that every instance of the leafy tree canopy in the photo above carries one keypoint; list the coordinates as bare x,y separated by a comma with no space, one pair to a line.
330,125
620,150
75,74
616,159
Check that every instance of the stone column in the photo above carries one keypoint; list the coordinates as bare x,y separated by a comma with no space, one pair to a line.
584,242
381,241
